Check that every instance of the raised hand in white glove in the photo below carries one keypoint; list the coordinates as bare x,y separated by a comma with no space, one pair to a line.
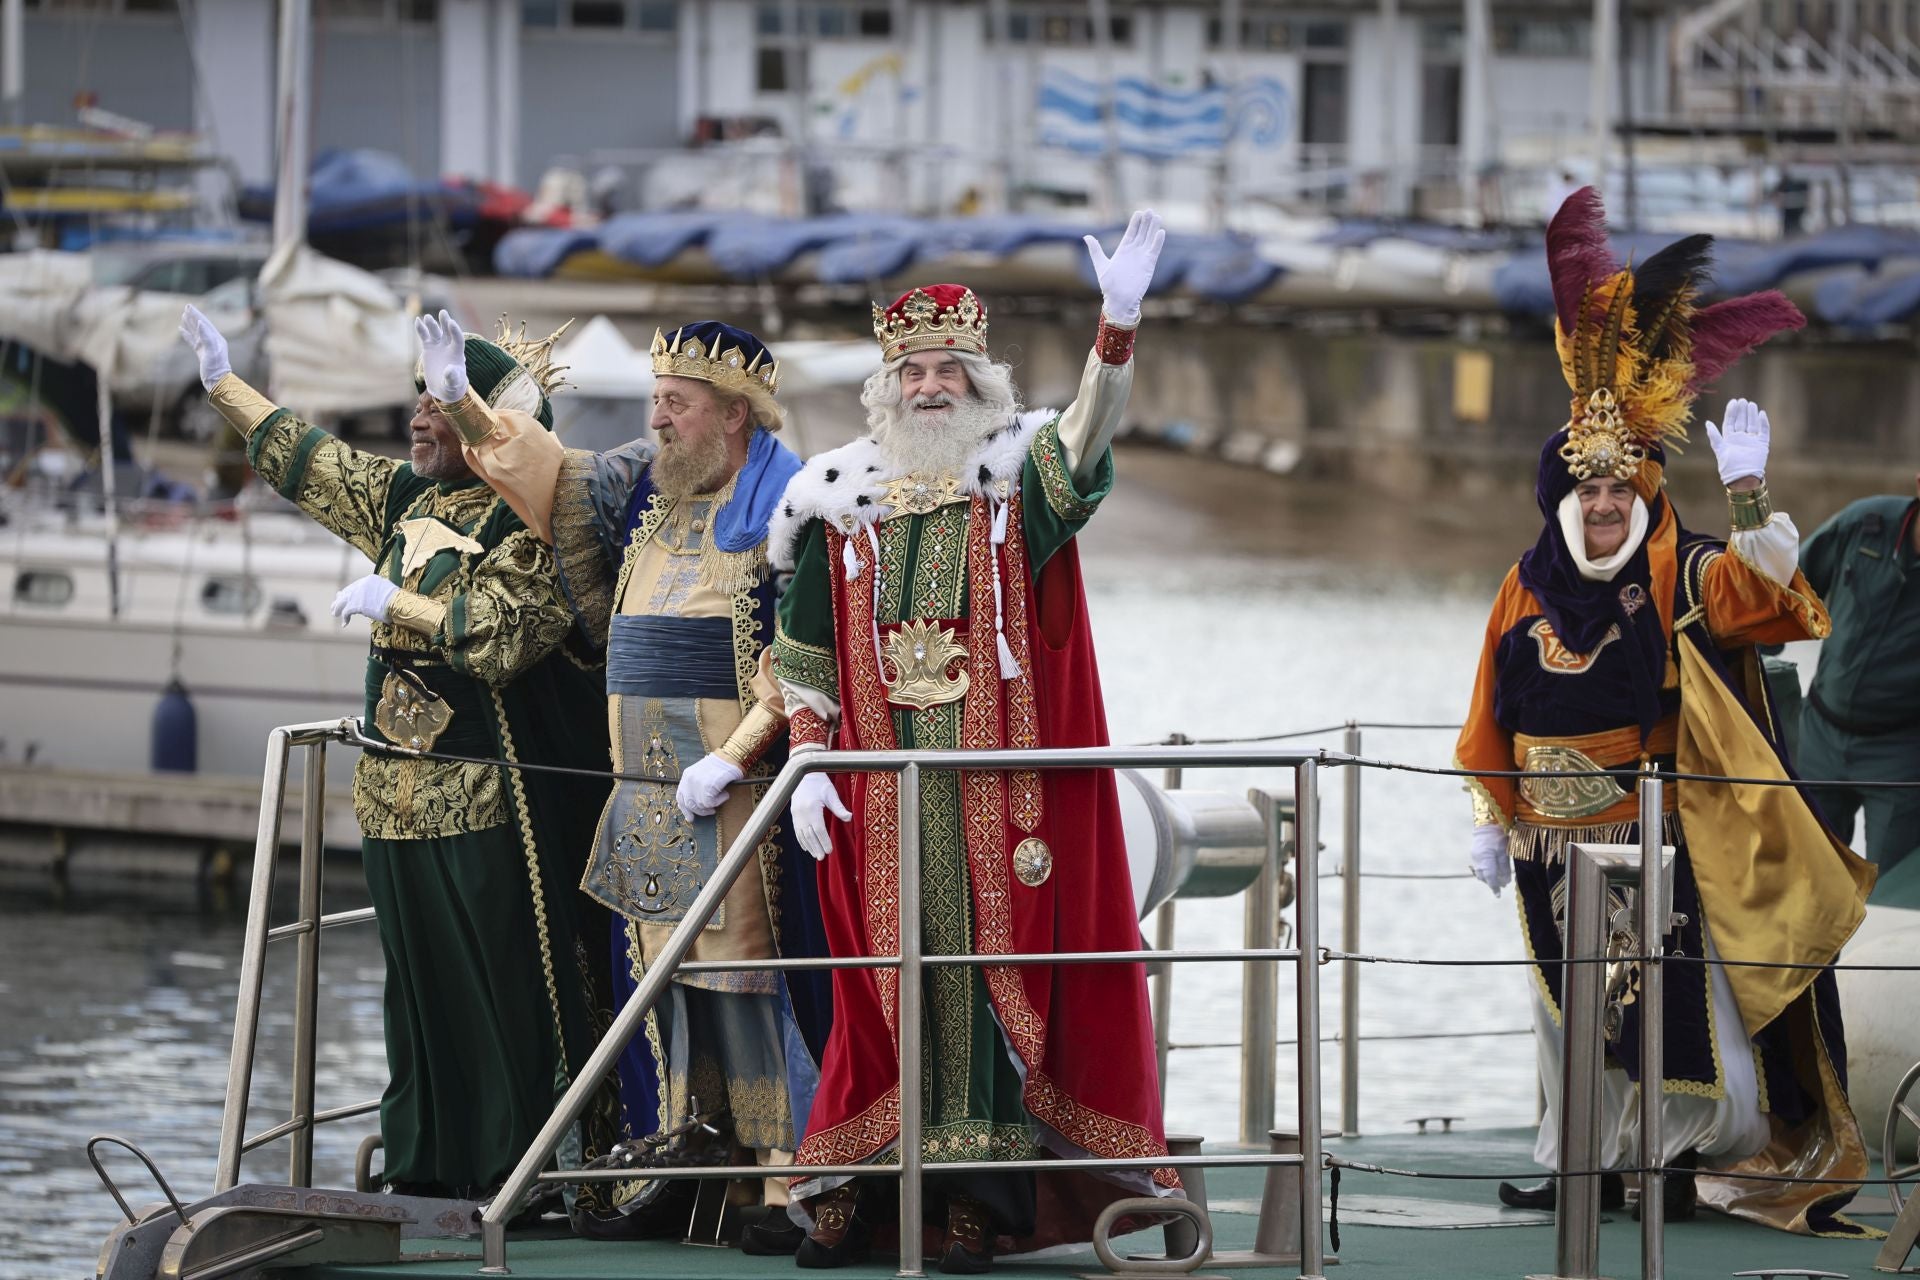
1491,865
207,344
1125,276
703,788
811,800
1740,446
443,357
368,596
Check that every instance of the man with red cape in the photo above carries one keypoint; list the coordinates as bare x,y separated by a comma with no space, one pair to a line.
936,602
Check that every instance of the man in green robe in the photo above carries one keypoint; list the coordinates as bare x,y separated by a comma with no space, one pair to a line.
492,955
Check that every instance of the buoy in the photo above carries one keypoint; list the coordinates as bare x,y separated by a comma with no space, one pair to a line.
176,732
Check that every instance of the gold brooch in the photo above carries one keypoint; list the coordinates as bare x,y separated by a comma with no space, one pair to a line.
919,654
1598,443
1032,862
919,494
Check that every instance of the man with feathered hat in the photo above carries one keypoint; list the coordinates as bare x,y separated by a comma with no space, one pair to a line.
472,867
662,549
1623,640
936,602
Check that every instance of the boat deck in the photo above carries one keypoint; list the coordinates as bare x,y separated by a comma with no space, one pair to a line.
1389,1226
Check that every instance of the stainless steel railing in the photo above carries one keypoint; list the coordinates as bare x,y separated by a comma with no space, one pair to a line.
910,962
305,930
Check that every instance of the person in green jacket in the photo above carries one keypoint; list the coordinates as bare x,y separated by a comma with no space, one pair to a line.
496,968
1862,718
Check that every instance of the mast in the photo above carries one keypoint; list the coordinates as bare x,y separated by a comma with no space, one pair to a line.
13,59
293,126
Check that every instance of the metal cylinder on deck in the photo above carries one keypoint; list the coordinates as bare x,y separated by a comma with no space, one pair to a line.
1181,1233
1278,1234
1187,844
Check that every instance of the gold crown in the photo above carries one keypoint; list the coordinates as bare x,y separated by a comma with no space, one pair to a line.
918,322
535,355
1598,442
728,367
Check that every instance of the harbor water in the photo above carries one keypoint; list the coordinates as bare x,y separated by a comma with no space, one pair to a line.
1212,619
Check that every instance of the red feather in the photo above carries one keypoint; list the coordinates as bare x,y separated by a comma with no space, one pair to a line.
1577,254
1727,331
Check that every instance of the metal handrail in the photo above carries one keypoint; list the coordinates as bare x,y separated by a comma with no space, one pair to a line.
301,1119
910,962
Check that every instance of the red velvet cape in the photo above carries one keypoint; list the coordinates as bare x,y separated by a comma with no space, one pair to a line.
1081,1035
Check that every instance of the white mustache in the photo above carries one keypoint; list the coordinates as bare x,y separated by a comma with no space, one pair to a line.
940,401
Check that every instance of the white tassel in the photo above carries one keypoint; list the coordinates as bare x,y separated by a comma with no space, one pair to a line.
873,541
1009,669
850,559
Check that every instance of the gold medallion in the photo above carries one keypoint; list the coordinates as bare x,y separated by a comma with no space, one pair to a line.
410,714
1032,862
919,494
919,655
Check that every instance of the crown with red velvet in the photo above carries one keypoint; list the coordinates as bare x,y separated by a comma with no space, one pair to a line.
934,317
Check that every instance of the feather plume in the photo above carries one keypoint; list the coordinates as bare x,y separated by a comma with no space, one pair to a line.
1726,331
1577,253
1664,287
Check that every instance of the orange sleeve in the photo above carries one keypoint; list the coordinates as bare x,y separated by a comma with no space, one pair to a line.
519,460
1483,744
1744,606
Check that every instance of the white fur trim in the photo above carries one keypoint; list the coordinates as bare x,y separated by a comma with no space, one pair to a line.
519,392
831,485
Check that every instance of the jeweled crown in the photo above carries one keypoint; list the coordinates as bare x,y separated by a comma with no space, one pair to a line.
725,364
931,318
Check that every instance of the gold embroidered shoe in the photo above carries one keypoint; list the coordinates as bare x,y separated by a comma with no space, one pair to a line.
840,1235
967,1249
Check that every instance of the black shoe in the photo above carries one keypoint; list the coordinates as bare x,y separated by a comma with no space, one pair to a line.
967,1249
664,1217
1677,1190
1546,1195
840,1236
767,1232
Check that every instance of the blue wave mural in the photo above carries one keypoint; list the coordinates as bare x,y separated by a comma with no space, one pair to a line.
1158,122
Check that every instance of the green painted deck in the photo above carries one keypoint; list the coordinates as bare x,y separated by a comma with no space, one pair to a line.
1511,1244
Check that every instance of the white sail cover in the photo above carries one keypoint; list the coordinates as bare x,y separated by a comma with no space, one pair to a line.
338,339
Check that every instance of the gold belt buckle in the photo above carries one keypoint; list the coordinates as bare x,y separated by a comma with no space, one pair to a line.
919,654
1567,797
409,713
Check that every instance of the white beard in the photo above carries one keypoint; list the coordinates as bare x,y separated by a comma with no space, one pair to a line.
940,441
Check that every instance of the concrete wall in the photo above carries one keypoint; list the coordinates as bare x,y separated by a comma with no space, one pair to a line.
378,87
137,66
586,90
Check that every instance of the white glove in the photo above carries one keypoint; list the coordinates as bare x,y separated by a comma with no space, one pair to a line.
811,799
443,357
368,596
703,787
1740,447
1125,276
1491,865
207,344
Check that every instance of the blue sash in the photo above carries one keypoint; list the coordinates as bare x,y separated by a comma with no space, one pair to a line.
657,657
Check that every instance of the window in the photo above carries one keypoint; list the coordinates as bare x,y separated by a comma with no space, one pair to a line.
47,588
1541,38
828,21
1063,27
230,594
1441,39
1324,35
770,70
597,16
599,13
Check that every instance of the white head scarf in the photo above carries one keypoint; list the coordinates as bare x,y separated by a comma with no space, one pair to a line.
1573,529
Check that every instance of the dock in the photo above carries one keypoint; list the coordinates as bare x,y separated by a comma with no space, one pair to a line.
146,823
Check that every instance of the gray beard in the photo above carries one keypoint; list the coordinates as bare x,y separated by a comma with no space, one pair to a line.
681,470
942,442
